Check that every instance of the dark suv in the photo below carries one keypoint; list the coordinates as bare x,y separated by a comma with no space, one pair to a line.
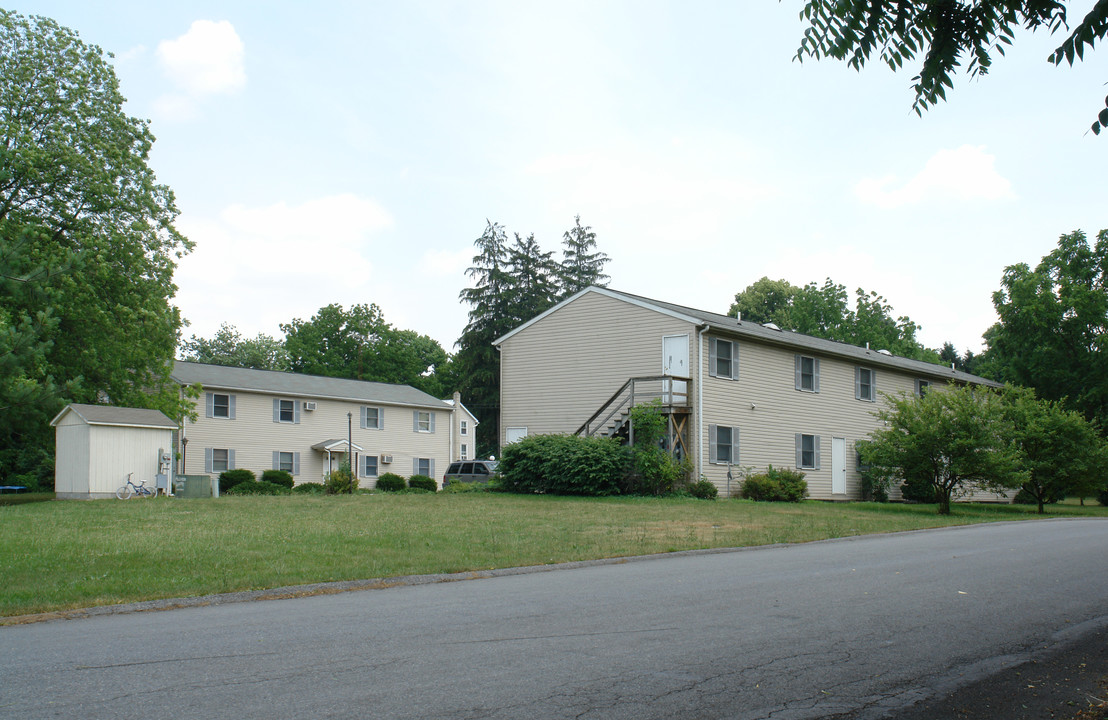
468,471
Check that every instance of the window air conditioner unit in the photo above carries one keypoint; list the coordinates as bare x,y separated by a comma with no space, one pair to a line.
386,459
309,405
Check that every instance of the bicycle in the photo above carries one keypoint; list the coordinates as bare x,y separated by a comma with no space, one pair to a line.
130,489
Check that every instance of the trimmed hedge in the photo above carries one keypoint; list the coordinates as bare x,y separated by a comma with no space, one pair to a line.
776,485
252,487
390,482
230,478
278,477
422,482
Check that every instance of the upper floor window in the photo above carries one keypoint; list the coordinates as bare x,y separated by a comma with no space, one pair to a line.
220,405
464,427
286,411
423,421
865,384
373,418
922,387
723,358
807,373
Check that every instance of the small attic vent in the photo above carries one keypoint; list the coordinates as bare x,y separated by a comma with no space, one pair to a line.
885,352
772,326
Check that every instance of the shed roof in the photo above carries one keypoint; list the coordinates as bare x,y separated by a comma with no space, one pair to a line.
296,385
117,416
754,331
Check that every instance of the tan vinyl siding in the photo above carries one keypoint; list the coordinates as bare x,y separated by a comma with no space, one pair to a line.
255,437
768,430
557,372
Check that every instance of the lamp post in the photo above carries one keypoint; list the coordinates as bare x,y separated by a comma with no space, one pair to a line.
350,442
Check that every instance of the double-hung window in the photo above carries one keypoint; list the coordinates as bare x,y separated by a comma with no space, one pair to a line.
921,387
807,373
423,466
723,358
218,459
465,452
286,411
723,444
464,427
423,421
369,466
287,461
865,384
807,451
220,405
373,418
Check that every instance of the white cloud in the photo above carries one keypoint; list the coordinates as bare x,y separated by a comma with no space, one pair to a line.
257,267
967,173
206,60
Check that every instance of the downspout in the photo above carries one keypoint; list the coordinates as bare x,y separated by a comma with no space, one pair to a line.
698,379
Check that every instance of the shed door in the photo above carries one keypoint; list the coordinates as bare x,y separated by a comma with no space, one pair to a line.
838,466
675,361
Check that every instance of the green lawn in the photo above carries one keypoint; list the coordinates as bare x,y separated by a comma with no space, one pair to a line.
63,555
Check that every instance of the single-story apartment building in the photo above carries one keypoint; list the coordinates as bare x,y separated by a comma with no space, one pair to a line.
737,394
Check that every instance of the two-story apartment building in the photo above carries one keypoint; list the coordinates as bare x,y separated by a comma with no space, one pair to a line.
738,394
262,419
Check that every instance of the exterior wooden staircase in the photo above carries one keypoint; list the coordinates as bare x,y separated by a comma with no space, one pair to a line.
613,419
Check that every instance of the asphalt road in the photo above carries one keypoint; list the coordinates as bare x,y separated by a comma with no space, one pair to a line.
859,628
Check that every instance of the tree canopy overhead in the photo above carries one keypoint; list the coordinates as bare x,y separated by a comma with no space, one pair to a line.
87,242
946,33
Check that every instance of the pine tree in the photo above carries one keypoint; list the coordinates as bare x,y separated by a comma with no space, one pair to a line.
534,279
582,265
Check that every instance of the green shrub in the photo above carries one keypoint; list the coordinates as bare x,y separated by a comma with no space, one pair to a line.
918,490
464,487
390,482
704,489
278,477
309,488
1102,497
654,471
340,481
564,465
253,487
422,482
874,489
775,485
230,478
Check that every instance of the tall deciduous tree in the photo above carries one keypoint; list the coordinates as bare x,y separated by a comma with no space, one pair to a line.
582,264
824,311
76,191
1060,451
956,440
229,347
1053,329
359,344
945,33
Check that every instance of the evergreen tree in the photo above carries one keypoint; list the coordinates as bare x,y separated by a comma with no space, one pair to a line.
582,264
533,276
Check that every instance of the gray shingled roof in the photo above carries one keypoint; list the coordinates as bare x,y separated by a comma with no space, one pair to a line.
295,385
793,340
744,328
107,415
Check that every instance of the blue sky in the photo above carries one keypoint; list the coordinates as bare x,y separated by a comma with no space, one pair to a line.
350,152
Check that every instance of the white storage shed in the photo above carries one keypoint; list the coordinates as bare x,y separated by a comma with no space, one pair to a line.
98,445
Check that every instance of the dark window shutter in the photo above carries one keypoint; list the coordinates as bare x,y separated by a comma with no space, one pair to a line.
209,410
799,450
713,355
296,463
857,383
276,460
815,443
796,362
208,460
815,372
276,410
230,459
713,444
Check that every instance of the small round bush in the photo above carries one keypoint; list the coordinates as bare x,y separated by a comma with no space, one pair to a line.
422,482
309,488
704,489
340,481
230,478
775,485
390,482
278,477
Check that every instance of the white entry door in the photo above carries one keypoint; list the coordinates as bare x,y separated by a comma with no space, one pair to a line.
675,361
838,466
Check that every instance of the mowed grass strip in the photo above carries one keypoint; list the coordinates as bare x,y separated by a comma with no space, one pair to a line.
65,555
